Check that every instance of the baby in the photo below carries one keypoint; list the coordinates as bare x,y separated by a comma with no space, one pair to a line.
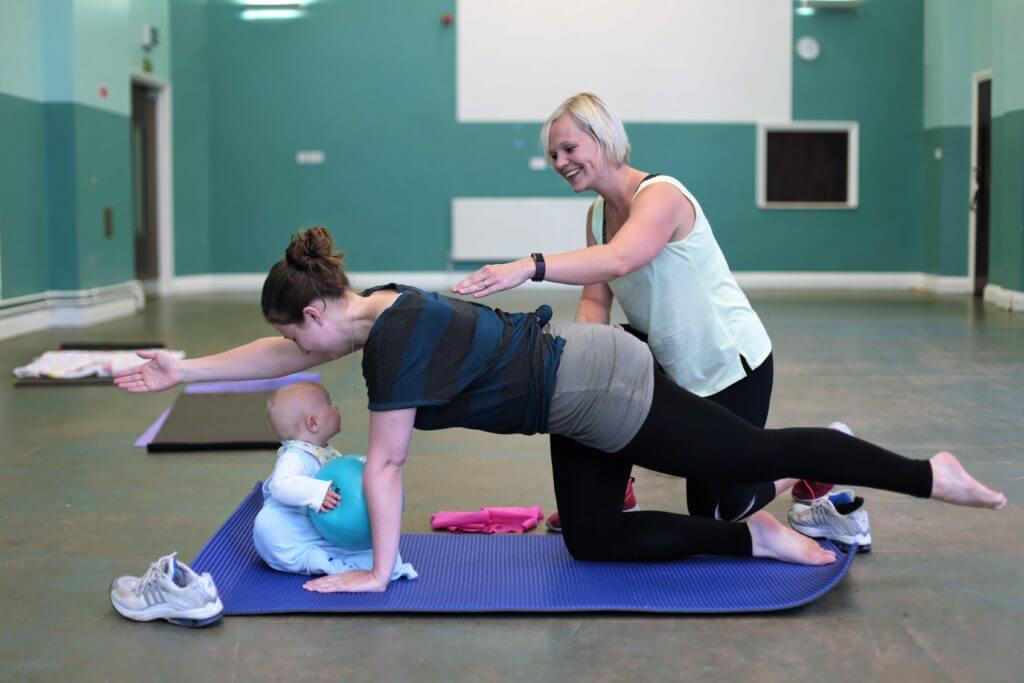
304,419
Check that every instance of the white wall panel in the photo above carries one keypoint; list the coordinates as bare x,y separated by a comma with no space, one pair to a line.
499,229
651,60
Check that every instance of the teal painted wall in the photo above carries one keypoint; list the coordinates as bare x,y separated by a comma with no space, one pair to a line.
947,200
869,71
103,179
952,29
23,243
106,49
1007,56
191,104
66,148
1006,266
1007,253
962,39
373,85
61,195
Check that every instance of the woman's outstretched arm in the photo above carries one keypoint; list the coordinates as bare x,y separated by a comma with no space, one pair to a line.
390,433
264,358
653,220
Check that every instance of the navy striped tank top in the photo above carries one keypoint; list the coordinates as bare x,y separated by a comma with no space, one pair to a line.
461,364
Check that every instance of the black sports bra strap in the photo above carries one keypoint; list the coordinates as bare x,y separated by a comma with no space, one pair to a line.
604,215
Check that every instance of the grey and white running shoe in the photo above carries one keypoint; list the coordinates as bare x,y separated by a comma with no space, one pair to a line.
169,590
840,518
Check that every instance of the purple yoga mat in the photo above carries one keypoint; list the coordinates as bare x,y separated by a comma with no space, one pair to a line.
251,384
147,436
515,573
154,429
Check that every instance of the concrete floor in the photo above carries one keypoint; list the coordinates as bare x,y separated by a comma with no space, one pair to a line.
940,598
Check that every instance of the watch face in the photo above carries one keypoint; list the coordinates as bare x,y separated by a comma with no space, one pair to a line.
807,48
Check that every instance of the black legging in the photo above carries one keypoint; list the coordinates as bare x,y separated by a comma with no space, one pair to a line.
688,436
748,398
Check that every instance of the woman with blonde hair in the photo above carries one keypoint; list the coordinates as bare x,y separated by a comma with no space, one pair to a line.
650,245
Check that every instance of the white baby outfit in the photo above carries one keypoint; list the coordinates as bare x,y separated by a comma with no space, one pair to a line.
283,533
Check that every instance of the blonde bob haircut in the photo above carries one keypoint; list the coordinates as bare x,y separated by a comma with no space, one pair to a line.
593,117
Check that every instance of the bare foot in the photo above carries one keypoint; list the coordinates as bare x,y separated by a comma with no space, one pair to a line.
951,483
782,485
770,539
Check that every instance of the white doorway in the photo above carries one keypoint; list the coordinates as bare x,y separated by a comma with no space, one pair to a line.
152,184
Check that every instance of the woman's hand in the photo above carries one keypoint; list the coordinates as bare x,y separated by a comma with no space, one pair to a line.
162,371
347,582
495,278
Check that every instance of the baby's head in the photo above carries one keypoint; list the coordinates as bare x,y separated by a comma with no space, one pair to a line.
303,411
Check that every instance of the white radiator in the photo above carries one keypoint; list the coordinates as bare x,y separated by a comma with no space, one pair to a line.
501,229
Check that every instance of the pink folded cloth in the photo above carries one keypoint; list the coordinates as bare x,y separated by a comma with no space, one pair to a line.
488,520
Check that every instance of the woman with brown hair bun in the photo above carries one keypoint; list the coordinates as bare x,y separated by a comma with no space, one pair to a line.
432,362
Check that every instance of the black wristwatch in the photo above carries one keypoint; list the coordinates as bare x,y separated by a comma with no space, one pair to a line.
538,261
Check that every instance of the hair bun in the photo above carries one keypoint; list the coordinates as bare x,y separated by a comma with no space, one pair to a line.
311,269
312,249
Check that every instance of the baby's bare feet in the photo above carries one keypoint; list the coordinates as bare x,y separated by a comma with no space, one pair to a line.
770,539
952,483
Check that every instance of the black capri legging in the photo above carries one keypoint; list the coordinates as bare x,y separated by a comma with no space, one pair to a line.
688,436
748,398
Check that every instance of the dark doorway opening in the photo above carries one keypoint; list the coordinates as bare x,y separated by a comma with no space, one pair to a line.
144,177
980,201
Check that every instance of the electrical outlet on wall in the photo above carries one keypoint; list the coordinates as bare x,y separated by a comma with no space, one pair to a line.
310,157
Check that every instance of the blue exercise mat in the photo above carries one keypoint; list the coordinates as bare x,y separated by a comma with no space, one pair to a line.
514,573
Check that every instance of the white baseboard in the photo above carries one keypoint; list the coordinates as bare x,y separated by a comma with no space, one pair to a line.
1007,299
751,280
227,283
947,284
834,281
69,308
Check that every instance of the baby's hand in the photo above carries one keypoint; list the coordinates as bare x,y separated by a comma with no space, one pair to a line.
331,500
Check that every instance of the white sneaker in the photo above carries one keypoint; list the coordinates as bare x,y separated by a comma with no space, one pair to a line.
169,590
844,523
808,492
841,427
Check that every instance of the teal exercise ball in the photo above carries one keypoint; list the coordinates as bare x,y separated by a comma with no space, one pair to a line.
348,525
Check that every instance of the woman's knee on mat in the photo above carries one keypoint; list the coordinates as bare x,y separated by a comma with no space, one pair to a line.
590,544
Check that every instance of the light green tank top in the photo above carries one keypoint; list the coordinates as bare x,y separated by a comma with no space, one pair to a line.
697,319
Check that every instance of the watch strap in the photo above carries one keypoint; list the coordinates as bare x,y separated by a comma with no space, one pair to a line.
538,261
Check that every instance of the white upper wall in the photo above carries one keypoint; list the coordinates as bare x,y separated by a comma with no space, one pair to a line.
677,61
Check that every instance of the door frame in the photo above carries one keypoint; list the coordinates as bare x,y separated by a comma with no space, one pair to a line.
164,283
977,78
